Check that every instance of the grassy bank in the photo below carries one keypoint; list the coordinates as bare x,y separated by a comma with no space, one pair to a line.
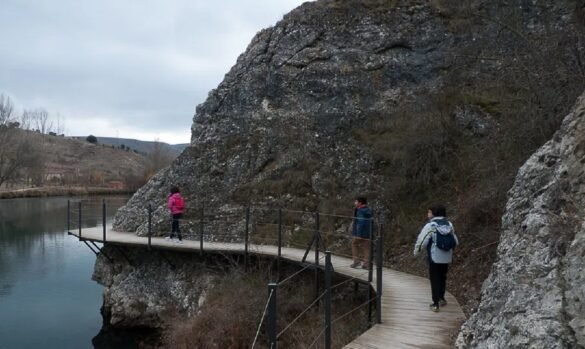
61,191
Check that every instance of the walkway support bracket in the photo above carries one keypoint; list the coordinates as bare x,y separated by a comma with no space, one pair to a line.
96,249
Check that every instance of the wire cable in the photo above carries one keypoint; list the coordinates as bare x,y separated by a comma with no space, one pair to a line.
262,318
316,339
295,274
354,309
301,314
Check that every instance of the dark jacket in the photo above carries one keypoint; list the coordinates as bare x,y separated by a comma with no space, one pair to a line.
362,222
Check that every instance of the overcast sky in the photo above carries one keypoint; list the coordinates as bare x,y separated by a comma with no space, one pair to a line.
125,68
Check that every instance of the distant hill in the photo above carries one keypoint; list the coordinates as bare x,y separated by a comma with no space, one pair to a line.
69,161
144,147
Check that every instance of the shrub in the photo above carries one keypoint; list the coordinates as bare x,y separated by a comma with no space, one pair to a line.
91,139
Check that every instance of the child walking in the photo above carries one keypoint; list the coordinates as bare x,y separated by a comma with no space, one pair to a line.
176,205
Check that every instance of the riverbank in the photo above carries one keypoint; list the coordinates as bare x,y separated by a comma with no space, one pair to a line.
61,191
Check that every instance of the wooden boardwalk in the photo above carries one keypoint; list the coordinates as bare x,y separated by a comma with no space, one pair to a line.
407,321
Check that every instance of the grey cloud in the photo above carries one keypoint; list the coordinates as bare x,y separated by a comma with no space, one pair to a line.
144,64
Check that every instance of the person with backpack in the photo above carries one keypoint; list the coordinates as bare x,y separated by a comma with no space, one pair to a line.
176,205
361,228
439,239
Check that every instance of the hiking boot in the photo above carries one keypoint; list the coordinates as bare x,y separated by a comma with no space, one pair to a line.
355,265
434,307
442,303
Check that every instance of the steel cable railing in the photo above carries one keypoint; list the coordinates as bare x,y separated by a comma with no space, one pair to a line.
263,227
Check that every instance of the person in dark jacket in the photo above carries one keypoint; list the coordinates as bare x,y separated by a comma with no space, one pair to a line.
438,259
361,230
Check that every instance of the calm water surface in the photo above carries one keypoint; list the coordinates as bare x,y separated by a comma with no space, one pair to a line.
47,297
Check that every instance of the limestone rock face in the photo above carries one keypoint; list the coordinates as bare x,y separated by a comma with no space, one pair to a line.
535,294
279,127
377,97
142,290
286,124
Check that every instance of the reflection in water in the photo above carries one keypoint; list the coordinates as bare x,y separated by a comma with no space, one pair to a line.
47,298
5,289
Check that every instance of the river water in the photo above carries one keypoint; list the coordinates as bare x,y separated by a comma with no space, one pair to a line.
47,297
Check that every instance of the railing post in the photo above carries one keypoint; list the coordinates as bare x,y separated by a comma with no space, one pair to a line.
328,300
370,271
371,254
79,219
201,229
246,237
370,295
271,325
380,263
104,218
279,243
68,216
316,239
149,226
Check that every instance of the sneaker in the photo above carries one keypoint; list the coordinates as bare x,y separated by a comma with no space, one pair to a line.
355,265
169,238
442,303
366,266
434,307
179,242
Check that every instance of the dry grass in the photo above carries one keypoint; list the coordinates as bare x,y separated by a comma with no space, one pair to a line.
232,311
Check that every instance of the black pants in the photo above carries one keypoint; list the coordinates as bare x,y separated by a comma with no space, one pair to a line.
438,276
175,225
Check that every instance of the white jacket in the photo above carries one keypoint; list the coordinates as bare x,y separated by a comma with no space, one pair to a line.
437,225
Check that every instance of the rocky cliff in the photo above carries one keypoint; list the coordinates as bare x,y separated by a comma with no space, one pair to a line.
151,288
535,294
408,102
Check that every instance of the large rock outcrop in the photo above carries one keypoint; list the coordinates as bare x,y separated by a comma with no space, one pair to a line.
280,123
151,289
535,294
325,104
403,101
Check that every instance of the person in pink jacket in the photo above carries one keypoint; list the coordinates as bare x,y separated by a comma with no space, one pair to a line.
176,205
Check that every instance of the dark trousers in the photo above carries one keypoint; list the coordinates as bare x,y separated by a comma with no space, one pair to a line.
438,276
175,225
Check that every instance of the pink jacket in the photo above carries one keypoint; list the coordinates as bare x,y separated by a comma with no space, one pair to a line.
176,203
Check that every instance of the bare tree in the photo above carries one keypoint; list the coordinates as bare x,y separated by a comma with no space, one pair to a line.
6,109
59,125
158,158
40,120
18,150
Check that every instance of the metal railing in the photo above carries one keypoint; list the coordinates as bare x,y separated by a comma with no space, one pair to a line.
312,231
